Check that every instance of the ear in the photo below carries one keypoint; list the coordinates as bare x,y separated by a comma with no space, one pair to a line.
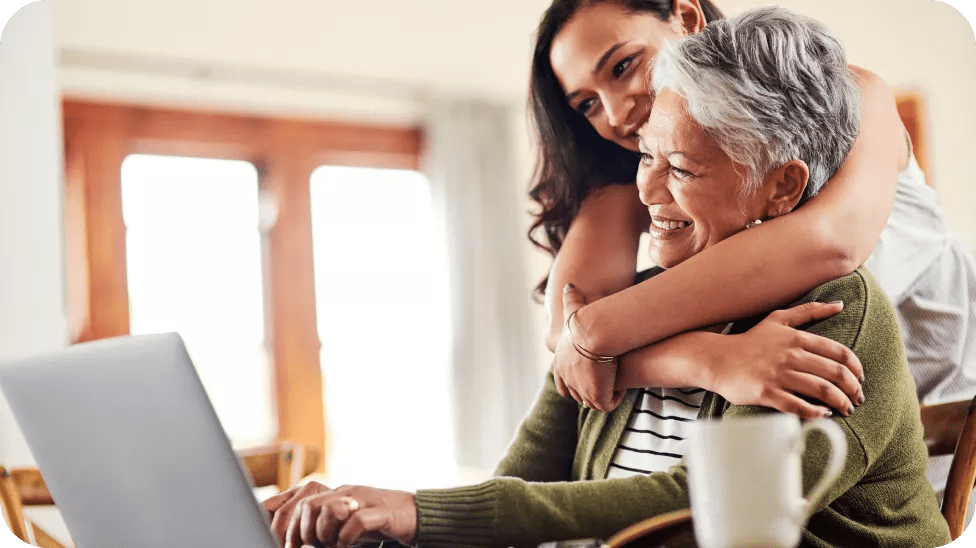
689,14
785,186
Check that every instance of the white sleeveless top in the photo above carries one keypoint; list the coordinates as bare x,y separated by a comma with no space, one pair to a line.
931,279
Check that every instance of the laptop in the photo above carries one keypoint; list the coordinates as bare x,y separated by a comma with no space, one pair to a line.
131,448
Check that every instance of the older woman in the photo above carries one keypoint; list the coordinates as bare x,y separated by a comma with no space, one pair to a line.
752,116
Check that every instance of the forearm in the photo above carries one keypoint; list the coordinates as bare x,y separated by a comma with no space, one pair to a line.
599,254
774,263
683,360
742,276
512,512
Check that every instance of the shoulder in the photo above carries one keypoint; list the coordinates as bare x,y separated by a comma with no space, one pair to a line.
866,307
872,86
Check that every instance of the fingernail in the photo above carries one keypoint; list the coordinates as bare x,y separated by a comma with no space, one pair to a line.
841,303
860,399
849,411
567,287
828,413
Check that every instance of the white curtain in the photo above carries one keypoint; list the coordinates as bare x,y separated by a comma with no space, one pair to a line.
471,161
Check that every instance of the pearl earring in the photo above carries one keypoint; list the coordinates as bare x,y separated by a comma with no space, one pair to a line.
751,224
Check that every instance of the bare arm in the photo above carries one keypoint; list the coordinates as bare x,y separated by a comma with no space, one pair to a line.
766,267
772,364
599,254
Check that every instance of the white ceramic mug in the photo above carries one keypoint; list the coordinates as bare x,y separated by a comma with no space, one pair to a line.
744,477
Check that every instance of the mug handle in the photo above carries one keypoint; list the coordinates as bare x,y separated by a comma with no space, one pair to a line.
835,464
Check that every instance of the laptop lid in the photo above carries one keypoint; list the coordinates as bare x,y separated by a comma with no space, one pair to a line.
131,448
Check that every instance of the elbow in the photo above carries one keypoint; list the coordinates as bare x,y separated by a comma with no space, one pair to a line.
838,253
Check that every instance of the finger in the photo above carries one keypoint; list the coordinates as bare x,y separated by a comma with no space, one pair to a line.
282,519
273,503
835,351
331,517
807,312
819,389
792,404
603,405
573,300
283,515
837,373
600,401
306,529
364,521
618,397
575,395
293,532
561,386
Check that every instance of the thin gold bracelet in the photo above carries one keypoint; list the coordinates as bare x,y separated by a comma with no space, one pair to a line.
579,348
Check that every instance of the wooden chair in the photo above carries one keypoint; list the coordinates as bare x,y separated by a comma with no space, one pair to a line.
20,487
281,465
671,530
950,429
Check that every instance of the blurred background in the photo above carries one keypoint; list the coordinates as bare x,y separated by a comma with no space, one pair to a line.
328,201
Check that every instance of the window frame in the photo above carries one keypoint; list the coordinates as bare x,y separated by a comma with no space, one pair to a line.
97,138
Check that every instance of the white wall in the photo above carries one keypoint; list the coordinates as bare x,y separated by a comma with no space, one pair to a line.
376,60
32,286
32,281
447,44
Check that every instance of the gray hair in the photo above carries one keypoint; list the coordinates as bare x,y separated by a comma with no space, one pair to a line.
768,86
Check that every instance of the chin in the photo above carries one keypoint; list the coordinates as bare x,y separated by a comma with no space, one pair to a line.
666,260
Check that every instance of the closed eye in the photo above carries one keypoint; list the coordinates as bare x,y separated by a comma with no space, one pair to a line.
622,66
681,174
585,107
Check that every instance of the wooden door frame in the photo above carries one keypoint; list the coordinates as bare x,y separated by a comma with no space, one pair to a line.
98,136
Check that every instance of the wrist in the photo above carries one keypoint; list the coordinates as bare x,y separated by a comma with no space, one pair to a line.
709,362
586,331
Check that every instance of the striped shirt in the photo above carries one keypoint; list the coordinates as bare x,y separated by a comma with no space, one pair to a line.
654,439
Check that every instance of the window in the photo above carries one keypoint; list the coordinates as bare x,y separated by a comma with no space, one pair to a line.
193,263
383,320
138,180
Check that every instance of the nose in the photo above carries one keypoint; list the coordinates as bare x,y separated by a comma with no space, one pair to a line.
650,187
620,111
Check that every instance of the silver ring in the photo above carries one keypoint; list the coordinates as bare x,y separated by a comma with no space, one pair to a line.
350,503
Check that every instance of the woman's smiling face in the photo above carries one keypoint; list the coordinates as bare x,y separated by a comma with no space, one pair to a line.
602,59
691,188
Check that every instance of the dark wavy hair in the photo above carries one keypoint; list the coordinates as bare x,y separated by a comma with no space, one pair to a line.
573,158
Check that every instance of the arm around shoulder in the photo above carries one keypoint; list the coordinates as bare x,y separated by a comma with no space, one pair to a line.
776,262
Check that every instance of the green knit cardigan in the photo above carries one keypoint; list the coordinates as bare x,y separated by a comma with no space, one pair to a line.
552,484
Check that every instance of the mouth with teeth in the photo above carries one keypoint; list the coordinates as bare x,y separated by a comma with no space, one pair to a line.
666,226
